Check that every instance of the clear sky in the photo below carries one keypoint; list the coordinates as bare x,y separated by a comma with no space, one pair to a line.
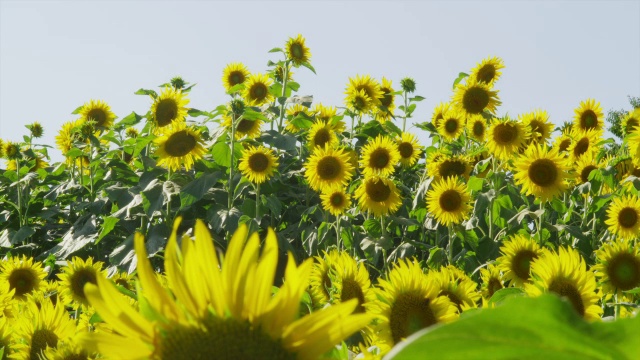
56,55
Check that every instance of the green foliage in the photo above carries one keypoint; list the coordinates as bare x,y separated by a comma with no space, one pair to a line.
614,117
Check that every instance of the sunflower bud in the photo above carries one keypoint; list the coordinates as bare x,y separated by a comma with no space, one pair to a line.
11,150
237,107
178,83
36,129
132,133
408,85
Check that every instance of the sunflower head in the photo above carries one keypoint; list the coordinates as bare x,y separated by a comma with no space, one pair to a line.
588,116
517,255
438,113
297,51
36,129
477,128
68,135
378,195
321,134
75,275
319,280
459,288
584,166
409,149
631,121
542,173
449,201
335,200
328,167
179,145
11,150
379,157
487,71
506,137
258,164
623,216
584,142
538,122
563,142
618,267
244,127
23,274
350,280
99,112
234,74
447,166
38,163
491,282
452,124
384,112
279,74
475,97
363,94
408,85
169,107
256,90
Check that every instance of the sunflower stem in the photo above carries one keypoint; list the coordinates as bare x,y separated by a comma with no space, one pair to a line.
90,172
169,220
258,202
284,92
19,190
404,117
232,143
616,307
338,234
540,239
450,246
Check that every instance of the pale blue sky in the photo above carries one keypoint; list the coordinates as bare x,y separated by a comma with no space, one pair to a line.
56,55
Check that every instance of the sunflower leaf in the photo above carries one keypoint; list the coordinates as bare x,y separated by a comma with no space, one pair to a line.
146,92
460,77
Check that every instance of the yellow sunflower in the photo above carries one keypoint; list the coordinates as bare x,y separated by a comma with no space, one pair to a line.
379,157
584,142
179,145
378,195
623,217
68,135
321,134
459,288
99,112
584,166
7,305
214,301
447,166
487,71
538,122
565,274
631,121
491,282
363,88
474,98
278,74
328,114
256,90
335,200
387,102
328,168
169,107
358,101
234,74
38,163
408,302
618,266
409,149
11,150
477,128
249,128
506,137
294,111
542,173
69,349
350,280
23,274
2,148
452,124
75,275
515,263
438,113
319,280
6,337
449,201
563,142
633,145
297,51
258,164
589,116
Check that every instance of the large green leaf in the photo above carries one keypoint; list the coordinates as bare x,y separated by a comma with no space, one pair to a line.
196,189
545,327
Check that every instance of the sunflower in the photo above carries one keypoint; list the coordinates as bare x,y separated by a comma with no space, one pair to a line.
584,142
256,91
320,281
409,149
234,74
335,200
447,166
452,124
358,101
169,107
477,128
506,137
68,350
75,275
11,150
245,127
542,173
363,93
563,142
623,217
329,114
321,134
454,284
6,337
449,201
631,121
408,302
438,113
378,195
515,263
474,98
565,274
258,164
2,148
327,168
584,166
538,122
618,267
99,112
68,135
384,112
297,51
633,144
7,305
278,74
36,129
491,282
214,301
350,280
292,113
589,116
487,71
45,328
23,274
379,157
38,163
179,145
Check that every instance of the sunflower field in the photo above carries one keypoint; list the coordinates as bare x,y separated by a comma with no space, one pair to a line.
276,227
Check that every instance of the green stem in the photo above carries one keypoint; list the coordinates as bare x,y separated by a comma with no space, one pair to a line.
169,217
19,189
450,246
540,240
90,172
383,226
284,92
338,234
404,117
232,143
258,202
352,130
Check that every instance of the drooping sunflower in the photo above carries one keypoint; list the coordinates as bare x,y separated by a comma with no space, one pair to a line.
68,135
11,150
234,74
384,112
631,121
179,145
487,71
452,124
408,302
618,266
409,149
350,280
565,274
297,51
449,201
378,195
589,116
438,113
245,127
584,166
623,217
506,137
328,168
363,93
447,166
459,288
278,73
491,282
542,173
256,90
319,280
258,164
379,157
515,263
99,112
23,274
477,128
584,142
539,125
74,276
215,301
169,107
335,200
475,97
321,135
